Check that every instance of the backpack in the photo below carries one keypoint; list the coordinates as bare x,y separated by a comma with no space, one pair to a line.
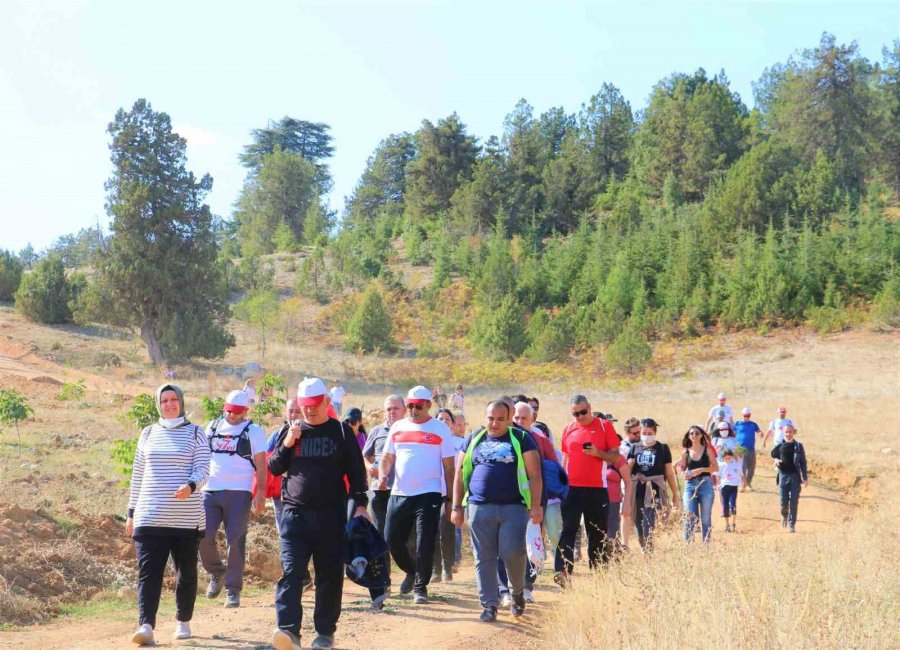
243,447
556,481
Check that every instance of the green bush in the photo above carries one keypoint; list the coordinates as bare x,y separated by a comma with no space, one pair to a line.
142,414
370,327
829,320
886,310
551,339
630,351
13,409
212,407
11,268
500,333
72,391
43,296
270,399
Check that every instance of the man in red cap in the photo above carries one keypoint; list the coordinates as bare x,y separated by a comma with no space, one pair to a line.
314,457
420,450
777,426
238,451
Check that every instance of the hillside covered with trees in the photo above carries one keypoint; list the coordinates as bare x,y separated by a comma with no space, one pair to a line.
608,228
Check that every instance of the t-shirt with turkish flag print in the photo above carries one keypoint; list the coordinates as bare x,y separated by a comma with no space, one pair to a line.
585,470
419,449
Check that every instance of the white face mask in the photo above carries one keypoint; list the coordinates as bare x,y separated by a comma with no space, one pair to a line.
648,440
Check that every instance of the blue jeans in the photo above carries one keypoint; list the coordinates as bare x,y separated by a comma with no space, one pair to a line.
698,503
789,490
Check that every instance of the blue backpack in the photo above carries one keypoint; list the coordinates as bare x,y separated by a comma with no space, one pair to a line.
556,481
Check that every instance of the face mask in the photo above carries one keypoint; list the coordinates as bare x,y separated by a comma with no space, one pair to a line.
648,441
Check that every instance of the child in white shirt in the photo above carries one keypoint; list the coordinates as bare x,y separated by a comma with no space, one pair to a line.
731,477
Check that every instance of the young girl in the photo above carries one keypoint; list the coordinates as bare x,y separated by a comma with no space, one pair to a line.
731,476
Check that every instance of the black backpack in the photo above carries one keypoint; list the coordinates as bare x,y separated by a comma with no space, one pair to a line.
243,447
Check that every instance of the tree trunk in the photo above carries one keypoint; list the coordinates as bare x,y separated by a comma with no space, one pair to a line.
148,335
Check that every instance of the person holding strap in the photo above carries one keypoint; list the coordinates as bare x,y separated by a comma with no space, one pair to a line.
315,457
499,479
699,467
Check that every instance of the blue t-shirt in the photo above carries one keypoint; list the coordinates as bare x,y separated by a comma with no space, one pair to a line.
494,466
746,431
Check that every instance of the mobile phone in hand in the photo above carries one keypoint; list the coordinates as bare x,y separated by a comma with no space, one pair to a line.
587,445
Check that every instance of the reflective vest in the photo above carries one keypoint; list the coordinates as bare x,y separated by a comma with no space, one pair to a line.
521,475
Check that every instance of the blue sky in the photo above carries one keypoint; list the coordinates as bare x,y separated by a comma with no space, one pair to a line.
368,69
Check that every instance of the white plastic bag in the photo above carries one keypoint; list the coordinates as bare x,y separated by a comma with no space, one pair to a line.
534,543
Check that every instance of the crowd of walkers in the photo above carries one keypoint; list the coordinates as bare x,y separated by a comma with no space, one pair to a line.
355,502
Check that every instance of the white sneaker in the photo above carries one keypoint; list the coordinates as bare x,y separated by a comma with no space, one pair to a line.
505,600
143,635
283,640
529,597
182,630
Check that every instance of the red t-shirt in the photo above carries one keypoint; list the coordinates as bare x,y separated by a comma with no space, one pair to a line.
545,447
614,480
584,470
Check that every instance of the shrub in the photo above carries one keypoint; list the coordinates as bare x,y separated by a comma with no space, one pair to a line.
270,390
212,407
71,391
630,351
370,326
500,333
11,268
886,311
828,320
551,340
13,409
142,414
43,296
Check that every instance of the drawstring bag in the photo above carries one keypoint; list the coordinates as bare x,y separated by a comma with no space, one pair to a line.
534,543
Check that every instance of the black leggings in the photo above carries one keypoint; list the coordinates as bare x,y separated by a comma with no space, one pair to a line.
153,552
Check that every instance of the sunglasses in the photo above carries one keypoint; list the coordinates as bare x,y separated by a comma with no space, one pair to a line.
416,407
695,433
578,414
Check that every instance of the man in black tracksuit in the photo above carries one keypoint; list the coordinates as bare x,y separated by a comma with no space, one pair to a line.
315,456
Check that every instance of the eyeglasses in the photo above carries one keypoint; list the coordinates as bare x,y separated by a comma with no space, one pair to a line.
578,414
416,407
695,433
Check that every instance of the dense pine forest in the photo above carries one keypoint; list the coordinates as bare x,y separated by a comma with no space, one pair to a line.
611,227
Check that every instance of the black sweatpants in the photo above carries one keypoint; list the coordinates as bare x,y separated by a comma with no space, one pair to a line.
444,546
420,512
593,504
153,551
316,534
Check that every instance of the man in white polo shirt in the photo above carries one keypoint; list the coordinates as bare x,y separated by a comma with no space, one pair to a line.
777,427
420,450
238,451
721,406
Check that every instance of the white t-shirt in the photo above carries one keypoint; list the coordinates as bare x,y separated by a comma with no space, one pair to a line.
729,443
777,427
419,450
730,473
729,413
231,471
337,394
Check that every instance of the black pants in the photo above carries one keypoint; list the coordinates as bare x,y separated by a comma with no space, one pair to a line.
444,546
379,505
420,512
153,551
593,504
316,534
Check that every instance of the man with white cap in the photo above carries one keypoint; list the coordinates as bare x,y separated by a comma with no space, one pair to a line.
314,457
746,431
777,426
720,406
420,451
237,451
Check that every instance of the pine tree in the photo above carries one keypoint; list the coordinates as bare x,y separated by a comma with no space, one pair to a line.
370,327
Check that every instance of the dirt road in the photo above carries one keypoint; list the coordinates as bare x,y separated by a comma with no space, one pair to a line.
451,620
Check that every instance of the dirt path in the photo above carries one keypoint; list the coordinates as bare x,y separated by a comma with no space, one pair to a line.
451,620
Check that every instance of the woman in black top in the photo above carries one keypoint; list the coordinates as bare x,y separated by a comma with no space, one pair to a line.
650,463
699,464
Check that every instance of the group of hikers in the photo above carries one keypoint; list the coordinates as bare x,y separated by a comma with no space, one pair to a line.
353,502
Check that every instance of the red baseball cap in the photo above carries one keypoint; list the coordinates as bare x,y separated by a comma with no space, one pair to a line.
237,402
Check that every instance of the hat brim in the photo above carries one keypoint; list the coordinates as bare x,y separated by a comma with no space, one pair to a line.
417,400
234,408
313,400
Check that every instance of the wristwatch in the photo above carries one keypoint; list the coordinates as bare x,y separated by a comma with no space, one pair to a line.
456,506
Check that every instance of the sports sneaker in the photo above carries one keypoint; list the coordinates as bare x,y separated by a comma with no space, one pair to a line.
214,588
517,608
505,600
143,635
529,597
420,598
435,577
182,630
447,576
407,585
728,528
284,640
489,615
561,579
232,598
378,603
792,529
323,641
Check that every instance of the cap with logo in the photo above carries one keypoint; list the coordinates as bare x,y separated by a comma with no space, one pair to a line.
311,391
237,402
418,395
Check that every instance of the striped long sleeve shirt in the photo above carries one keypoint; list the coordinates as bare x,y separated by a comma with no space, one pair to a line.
166,459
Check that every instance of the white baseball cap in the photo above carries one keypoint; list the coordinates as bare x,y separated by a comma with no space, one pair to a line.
722,396
311,391
418,395
746,411
723,426
237,401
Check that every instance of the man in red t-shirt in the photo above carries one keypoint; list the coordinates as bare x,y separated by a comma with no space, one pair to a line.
588,444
